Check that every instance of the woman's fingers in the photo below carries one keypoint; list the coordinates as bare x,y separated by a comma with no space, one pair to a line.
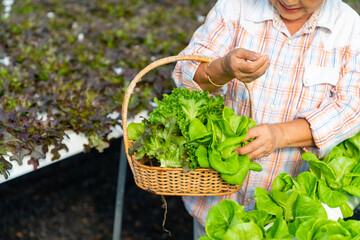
245,65
245,54
251,77
249,71
267,138
255,149
251,67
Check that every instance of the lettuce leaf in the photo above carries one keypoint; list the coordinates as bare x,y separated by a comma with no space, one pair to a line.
192,129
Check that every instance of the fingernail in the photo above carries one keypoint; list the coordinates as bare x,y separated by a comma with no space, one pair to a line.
257,55
265,57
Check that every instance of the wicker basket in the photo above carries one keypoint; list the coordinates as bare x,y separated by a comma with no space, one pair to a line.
172,181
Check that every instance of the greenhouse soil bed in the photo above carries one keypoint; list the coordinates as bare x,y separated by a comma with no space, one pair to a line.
75,199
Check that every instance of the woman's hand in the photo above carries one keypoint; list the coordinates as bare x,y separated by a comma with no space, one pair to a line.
244,65
267,138
240,63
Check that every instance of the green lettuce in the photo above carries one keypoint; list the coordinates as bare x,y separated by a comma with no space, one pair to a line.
228,221
338,174
192,129
291,199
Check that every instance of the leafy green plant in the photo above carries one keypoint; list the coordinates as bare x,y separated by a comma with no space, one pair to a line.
228,220
313,229
70,63
291,211
292,199
338,174
192,129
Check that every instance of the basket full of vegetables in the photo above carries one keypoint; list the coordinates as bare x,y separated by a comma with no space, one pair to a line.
186,147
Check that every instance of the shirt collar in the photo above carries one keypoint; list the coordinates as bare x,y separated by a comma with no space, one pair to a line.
261,11
324,17
328,12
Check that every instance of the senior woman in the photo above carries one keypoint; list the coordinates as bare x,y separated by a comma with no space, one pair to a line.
300,59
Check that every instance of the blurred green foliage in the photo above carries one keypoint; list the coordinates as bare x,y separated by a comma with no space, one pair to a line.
70,63
354,4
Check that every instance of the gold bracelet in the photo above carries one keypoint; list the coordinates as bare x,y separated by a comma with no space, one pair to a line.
209,79
214,84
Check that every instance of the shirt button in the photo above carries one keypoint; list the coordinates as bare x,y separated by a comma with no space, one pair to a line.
307,81
280,73
272,106
290,42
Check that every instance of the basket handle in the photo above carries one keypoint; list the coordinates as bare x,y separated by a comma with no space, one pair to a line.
148,68
137,79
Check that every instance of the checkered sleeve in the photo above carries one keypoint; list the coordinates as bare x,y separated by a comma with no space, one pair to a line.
213,39
338,118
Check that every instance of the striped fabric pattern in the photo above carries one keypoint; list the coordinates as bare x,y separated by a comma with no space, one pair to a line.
314,74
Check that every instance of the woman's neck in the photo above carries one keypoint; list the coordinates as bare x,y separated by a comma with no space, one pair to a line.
294,25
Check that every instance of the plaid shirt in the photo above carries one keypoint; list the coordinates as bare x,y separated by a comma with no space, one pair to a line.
314,74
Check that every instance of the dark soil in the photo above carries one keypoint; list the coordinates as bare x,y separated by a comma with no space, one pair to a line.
75,199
